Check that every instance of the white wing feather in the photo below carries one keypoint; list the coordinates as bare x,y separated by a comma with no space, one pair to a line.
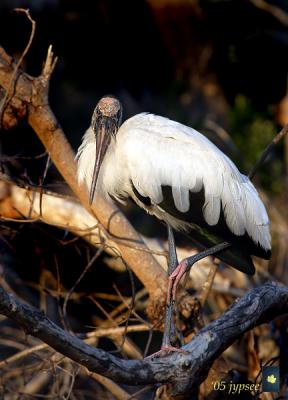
158,151
152,151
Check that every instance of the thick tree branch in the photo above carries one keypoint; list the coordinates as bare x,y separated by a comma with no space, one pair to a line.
31,100
30,204
183,371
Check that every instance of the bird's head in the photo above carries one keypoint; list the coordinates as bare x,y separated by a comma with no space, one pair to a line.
105,123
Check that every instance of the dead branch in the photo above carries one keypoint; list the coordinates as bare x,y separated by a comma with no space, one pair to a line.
268,150
21,204
30,205
30,100
9,92
184,372
275,11
111,386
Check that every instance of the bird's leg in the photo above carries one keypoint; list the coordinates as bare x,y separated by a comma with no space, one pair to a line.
175,273
169,328
186,264
172,265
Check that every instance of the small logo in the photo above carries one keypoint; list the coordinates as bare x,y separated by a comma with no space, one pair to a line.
270,379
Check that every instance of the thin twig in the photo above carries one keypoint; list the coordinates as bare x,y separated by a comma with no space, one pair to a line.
88,338
8,96
49,64
267,151
21,194
112,387
208,284
86,269
135,395
127,347
275,11
183,371
119,330
33,92
22,354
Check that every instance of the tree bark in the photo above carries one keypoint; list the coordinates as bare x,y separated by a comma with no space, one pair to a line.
29,99
183,372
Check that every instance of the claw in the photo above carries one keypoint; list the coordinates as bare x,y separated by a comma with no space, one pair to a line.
174,280
165,351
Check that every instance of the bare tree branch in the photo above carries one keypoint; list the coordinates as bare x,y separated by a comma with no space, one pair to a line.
268,150
183,371
31,100
9,92
29,205
275,11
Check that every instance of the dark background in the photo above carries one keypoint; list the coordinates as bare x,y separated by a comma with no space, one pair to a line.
217,65
193,61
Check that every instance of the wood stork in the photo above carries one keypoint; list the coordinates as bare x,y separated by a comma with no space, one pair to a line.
176,174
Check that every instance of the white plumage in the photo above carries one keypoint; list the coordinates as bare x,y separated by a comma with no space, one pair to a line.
152,152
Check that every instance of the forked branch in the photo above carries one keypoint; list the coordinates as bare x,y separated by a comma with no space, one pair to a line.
183,371
30,100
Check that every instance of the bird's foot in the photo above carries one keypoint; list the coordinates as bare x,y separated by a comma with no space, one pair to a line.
174,280
165,351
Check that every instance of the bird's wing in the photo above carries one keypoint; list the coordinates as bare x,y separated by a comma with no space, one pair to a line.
161,153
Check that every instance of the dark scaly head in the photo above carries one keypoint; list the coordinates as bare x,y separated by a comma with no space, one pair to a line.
106,120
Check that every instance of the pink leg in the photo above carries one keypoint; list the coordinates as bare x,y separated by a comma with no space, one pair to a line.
175,278
165,351
173,282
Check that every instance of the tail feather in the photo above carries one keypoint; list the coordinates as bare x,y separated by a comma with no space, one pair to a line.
233,256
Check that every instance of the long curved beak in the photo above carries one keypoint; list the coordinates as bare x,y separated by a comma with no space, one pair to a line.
105,122
102,136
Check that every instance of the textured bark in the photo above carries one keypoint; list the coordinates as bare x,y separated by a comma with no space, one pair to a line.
32,204
183,372
29,99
